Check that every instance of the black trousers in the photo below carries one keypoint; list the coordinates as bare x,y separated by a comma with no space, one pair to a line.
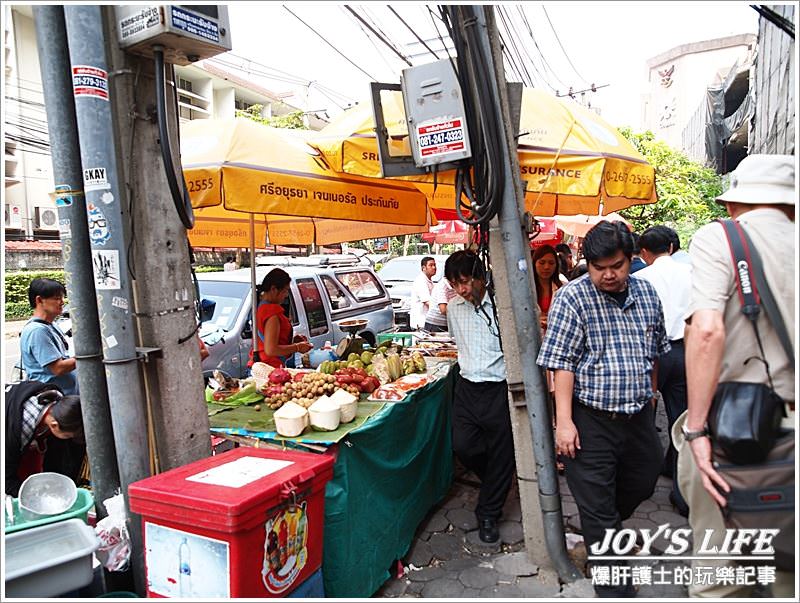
483,442
432,328
672,385
615,469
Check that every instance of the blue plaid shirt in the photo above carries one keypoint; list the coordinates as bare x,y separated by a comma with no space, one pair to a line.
611,349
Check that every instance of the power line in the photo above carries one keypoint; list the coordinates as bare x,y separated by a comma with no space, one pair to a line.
416,35
371,41
545,65
319,35
562,46
380,37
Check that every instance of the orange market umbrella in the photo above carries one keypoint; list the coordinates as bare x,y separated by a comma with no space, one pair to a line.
580,224
239,167
571,160
448,231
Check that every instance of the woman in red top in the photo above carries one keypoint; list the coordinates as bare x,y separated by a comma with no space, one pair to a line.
273,330
545,267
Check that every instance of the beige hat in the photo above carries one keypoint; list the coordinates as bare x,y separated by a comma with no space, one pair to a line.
762,179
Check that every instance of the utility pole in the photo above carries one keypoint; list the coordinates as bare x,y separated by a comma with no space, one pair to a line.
519,327
164,294
51,37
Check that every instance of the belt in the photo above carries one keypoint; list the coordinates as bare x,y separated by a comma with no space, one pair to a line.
676,341
609,414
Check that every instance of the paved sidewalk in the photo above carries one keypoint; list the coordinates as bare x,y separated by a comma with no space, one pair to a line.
447,560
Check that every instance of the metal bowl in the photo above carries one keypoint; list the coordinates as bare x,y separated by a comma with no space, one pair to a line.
352,326
46,494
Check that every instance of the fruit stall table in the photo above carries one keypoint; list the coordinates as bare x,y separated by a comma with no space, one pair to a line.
390,470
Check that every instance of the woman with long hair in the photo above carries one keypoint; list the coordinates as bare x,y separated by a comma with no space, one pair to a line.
274,342
546,272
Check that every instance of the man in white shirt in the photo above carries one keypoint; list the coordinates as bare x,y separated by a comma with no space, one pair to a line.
421,292
672,280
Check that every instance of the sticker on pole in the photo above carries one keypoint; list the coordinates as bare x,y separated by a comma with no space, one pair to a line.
441,137
194,23
106,269
89,81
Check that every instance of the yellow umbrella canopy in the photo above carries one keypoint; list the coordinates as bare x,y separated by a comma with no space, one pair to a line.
571,160
238,167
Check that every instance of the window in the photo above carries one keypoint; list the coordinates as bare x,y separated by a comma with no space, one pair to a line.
337,296
362,284
242,105
315,309
228,297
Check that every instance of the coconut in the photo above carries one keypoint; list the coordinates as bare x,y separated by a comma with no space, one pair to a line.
324,414
348,405
290,420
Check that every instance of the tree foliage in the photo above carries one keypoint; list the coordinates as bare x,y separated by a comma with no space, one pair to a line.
292,121
686,190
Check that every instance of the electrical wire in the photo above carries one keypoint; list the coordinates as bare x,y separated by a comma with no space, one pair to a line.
416,35
369,38
379,36
545,65
562,46
321,37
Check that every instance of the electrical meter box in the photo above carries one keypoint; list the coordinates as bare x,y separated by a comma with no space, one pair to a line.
187,33
434,106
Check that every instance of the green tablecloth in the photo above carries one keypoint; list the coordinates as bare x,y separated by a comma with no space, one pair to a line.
387,476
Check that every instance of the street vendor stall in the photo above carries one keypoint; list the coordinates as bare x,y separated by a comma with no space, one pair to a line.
392,464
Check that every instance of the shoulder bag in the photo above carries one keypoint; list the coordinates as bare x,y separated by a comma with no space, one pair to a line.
745,418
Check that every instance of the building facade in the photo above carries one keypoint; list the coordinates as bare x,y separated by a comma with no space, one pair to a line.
206,89
678,80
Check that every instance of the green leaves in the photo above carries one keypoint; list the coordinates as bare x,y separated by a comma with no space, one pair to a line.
686,189
292,121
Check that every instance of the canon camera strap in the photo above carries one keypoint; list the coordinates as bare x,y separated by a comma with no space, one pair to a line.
753,288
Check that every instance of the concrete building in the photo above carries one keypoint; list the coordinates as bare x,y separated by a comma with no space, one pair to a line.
679,77
206,89
773,129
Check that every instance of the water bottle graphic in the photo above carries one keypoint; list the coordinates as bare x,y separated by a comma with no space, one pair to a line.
184,569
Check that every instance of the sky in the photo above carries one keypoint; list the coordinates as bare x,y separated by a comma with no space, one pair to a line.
598,42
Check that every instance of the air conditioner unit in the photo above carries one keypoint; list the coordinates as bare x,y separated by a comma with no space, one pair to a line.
13,216
46,218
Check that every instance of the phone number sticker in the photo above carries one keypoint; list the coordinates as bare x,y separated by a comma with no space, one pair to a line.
90,81
441,137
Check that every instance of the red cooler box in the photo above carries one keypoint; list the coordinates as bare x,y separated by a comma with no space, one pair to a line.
244,523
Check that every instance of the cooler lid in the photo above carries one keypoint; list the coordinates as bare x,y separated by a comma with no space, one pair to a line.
233,482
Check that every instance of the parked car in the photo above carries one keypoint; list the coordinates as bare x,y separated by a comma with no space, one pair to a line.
320,298
398,275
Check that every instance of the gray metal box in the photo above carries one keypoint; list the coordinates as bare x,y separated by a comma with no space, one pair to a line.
188,33
434,106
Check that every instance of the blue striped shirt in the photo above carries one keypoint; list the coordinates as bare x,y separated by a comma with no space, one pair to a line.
611,349
473,328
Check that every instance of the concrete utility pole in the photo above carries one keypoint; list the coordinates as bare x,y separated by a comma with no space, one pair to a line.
51,37
159,261
519,327
106,208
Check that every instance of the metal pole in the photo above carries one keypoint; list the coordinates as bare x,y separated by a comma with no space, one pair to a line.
520,291
51,38
105,208
254,297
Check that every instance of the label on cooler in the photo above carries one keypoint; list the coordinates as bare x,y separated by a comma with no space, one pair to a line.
241,472
285,544
182,564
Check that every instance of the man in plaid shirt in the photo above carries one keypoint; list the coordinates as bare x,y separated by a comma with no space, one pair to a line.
605,333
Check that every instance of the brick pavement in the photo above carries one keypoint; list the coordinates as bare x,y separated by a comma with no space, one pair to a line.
447,560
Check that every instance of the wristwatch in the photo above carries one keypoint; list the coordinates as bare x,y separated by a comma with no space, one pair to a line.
693,435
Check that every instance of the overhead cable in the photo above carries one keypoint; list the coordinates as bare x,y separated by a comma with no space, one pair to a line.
380,37
562,46
321,37
413,31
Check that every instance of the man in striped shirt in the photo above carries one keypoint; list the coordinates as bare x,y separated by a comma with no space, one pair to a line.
481,423
605,333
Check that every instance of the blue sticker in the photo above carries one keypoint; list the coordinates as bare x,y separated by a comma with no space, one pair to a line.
99,232
63,200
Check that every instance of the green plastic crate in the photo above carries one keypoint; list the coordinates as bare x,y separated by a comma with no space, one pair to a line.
404,339
79,510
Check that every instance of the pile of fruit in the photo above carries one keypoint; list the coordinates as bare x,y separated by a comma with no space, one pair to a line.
302,389
387,363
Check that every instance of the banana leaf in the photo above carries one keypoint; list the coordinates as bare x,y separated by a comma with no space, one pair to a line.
247,395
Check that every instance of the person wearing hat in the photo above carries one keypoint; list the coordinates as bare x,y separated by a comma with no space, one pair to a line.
720,342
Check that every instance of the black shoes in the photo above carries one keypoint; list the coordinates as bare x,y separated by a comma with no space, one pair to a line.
487,530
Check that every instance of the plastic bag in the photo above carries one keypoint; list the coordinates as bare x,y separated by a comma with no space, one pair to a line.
115,541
